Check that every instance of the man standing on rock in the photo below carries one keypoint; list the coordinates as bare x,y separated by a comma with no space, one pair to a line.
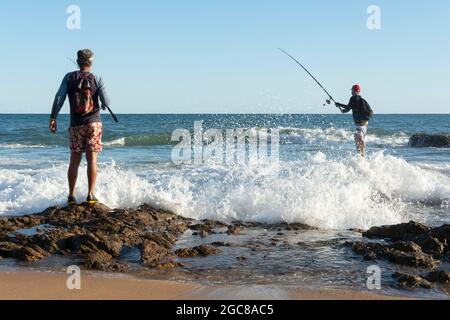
84,90
362,113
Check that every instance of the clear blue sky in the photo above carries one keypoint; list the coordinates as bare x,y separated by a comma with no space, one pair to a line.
216,56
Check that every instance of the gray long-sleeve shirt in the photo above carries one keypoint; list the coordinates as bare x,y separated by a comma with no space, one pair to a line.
61,95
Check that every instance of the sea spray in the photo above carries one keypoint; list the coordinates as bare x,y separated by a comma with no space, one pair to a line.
326,193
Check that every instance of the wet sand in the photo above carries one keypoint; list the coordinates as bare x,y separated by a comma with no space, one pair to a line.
52,286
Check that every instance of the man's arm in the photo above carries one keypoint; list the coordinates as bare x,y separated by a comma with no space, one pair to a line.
346,108
60,98
343,107
102,94
58,103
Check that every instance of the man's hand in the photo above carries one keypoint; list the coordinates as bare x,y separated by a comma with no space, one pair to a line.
52,126
338,105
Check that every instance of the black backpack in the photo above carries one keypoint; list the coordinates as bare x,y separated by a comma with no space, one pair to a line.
366,110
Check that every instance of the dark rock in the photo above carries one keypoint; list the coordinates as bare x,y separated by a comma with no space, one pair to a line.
407,246
423,140
367,249
369,256
152,254
169,265
299,227
411,281
103,261
443,235
440,276
234,230
96,235
411,259
53,241
29,254
404,232
165,240
223,244
186,253
7,248
203,251
206,250
206,227
431,245
11,224
290,227
98,257
410,256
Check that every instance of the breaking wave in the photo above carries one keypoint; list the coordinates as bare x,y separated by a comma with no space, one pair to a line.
329,194
339,135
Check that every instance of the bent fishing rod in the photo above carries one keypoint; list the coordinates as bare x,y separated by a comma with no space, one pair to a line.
309,73
103,107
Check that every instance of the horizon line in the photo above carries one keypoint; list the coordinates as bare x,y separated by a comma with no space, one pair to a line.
222,113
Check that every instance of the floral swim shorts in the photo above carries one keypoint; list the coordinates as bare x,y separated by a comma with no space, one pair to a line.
87,137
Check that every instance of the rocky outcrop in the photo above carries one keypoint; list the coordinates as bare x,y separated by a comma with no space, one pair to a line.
432,241
411,281
234,230
199,251
408,254
95,234
426,281
423,140
439,276
404,231
410,244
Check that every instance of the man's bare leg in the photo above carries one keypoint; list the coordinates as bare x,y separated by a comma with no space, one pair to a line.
72,173
360,144
91,158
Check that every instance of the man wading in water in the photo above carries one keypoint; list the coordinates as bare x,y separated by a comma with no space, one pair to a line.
84,91
362,113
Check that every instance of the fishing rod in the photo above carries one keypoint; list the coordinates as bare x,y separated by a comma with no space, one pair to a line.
317,81
103,107
112,113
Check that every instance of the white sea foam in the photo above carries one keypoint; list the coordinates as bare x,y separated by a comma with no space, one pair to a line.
325,193
318,136
116,142
20,146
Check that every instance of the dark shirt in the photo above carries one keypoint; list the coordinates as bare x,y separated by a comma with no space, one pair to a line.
76,119
355,104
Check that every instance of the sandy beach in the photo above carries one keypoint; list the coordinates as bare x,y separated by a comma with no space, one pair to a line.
52,286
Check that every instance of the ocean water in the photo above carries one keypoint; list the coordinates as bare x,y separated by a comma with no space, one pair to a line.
320,181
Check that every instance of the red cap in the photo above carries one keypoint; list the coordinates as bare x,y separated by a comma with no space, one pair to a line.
356,88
